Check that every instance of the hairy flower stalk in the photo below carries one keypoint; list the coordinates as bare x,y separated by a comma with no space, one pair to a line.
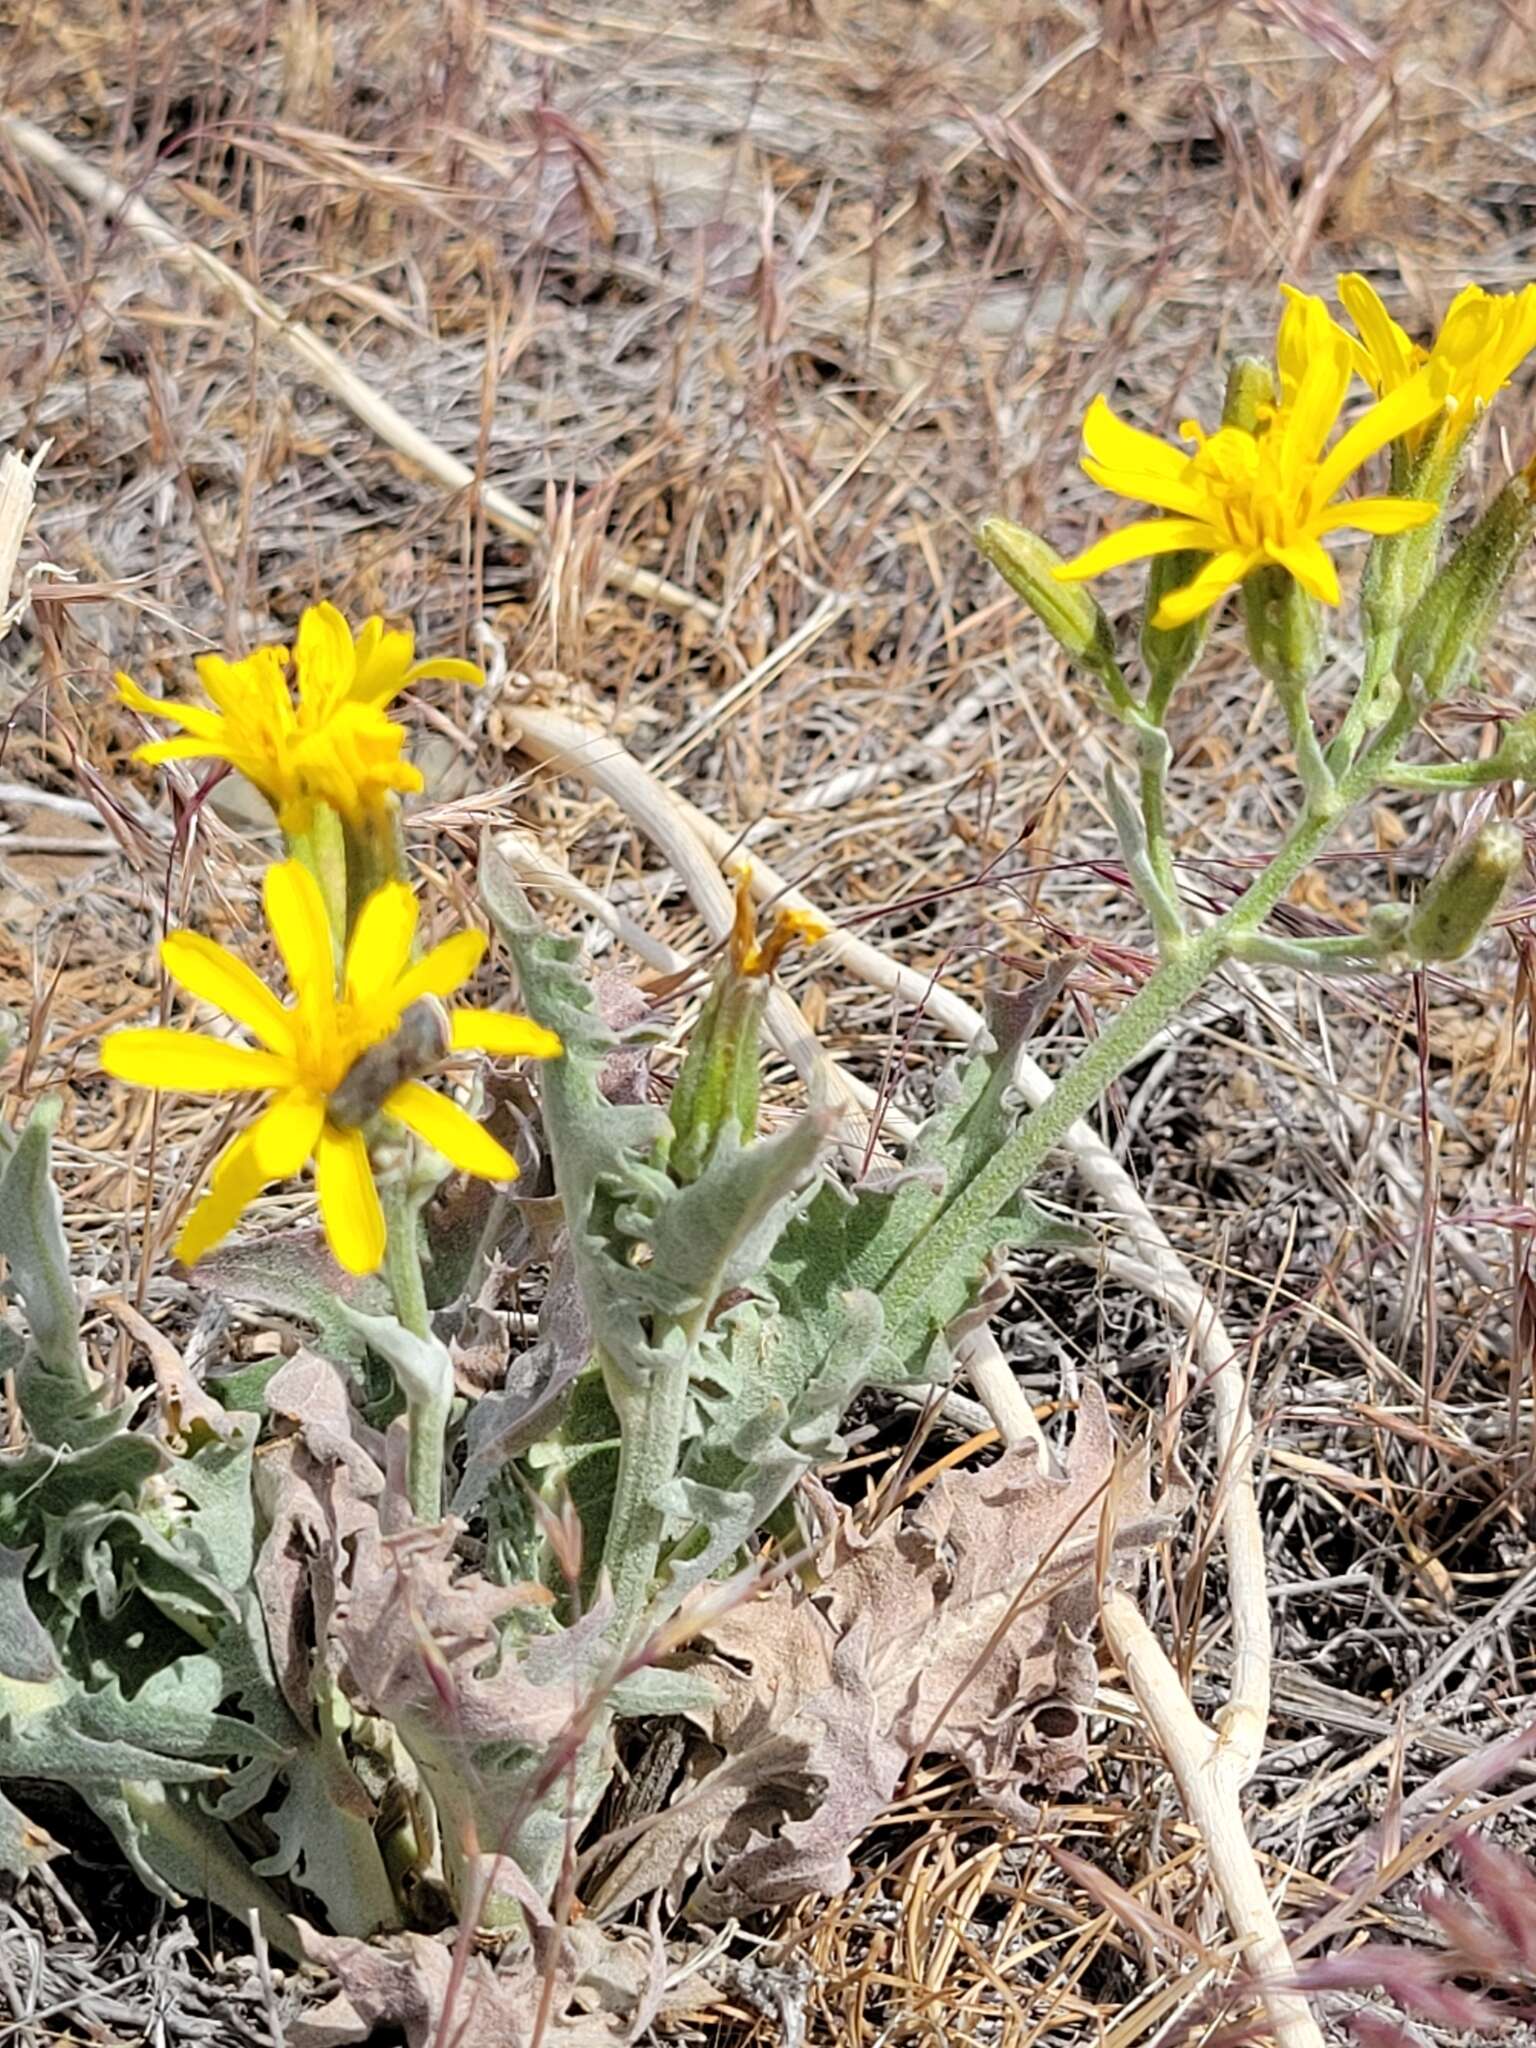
1250,508
714,1107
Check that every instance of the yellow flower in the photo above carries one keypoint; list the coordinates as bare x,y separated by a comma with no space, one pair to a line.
754,956
1483,339
335,745
1243,498
307,1050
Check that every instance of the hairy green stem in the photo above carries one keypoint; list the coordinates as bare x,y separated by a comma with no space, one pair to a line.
1167,992
426,1416
322,849
1313,771
1380,653
1152,759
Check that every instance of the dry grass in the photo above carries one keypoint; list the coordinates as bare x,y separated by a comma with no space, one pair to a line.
774,301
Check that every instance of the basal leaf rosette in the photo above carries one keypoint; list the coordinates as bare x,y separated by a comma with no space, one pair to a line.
309,1049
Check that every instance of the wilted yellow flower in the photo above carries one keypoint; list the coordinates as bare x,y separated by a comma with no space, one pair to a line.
309,1053
1483,339
755,955
1271,495
334,745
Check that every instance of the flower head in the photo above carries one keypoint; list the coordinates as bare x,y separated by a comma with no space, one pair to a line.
308,1050
324,738
1483,339
753,955
1242,497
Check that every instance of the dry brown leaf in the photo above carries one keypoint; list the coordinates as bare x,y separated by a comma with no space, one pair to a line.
419,1642
960,1628
317,1488
407,1981
608,1988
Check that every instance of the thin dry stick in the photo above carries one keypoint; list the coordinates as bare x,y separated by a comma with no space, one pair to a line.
322,362
1218,1764
1207,1774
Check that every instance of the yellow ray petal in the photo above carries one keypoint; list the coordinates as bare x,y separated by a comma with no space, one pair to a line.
1116,445
284,1136
447,966
496,1031
380,944
296,913
207,970
237,1181
1174,494
184,748
1317,400
1378,515
256,683
349,1201
1409,406
187,1059
1131,543
383,662
1391,356
325,659
192,718
445,668
451,1131
1309,564
1219,575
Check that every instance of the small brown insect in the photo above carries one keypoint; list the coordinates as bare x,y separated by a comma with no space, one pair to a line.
415,1046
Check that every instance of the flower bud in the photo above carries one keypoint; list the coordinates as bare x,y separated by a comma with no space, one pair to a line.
1068,611
717,1088
1168,653
1449,917
1445,633
1285,627
1250,394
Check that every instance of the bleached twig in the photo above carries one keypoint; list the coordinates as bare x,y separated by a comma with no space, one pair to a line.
321,361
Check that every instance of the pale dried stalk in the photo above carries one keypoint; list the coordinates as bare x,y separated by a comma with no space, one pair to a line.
1207,1773
18,488
1217,1765
321,361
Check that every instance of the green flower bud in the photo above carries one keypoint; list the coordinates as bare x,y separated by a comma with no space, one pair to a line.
1285,628
1250,394
1068,611
1449,917
716,1092
1168,653
1445,633
1399,565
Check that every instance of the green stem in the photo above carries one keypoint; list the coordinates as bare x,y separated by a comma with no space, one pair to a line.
322,849
1378,664
1085,1082
651,1418
1449,775
1152,754
1354,953
1315,775
426,1415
